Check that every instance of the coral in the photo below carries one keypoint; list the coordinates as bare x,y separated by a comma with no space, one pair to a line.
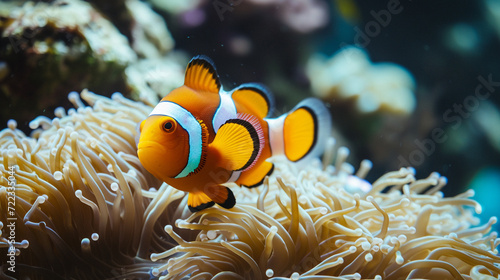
304,16
149,33
176,6
299,15
84,205
331,224
146,30
52,48
150,79
350,76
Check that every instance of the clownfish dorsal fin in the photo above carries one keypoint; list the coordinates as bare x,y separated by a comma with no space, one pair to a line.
201,75
239,142
255,97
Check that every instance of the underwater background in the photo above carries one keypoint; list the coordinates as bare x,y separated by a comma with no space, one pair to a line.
408,83
448,48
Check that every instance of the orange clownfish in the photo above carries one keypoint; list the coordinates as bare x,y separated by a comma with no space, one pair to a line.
200,137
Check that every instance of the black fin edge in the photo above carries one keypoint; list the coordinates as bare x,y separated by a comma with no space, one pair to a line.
264,92
261,181
315,137
201,206
230,201
206,62
255,137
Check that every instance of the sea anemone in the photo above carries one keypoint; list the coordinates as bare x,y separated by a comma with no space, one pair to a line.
328,223
85,207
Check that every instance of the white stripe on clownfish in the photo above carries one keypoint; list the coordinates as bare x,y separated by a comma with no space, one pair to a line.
234,176
276,137
225,111
189,123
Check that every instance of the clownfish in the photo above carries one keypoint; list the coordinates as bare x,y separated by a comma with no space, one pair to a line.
199,137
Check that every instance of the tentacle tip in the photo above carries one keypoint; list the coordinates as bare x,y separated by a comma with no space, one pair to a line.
78,193
443,180
116,95
41,199
412,230
58,175
168,229
211,234
405,202
25,243
478,209
180,223
493,220
155,271
273,229
85,242
12,124
34,124
72,96
74,135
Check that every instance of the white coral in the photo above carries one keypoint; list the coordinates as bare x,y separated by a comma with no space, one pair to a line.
349,75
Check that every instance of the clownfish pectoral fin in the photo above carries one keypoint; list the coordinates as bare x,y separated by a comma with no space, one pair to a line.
255,176
198,201
302,132
201,75
239,142
221,195
256,98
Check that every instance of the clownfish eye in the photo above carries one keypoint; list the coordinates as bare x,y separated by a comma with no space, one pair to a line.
169,126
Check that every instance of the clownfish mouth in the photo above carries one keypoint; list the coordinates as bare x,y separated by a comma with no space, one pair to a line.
148,145
148,150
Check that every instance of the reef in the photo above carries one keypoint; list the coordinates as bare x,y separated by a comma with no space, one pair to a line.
49,48
86,209
350,77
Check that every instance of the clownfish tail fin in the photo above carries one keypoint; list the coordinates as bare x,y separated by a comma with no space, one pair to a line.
301,133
